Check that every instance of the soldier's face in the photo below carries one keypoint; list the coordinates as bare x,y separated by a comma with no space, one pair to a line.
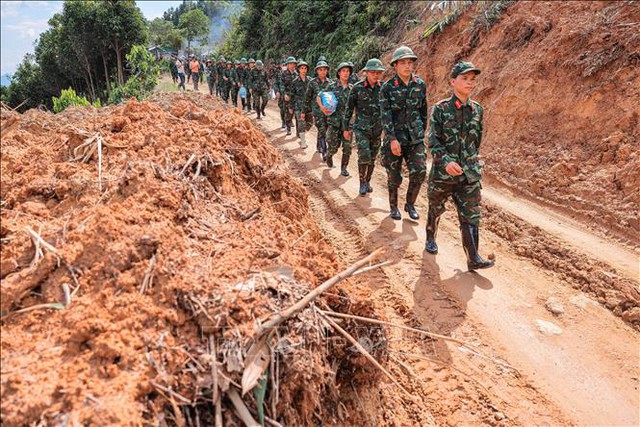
291,66
404,67
303,70
344,73
374,76
322,72
464,84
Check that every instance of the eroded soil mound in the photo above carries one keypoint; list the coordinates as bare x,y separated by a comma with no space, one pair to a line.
159,233
560,86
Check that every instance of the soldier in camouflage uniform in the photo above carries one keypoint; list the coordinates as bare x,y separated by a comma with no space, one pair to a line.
286,79
454,142
211,75
297,93
335,134
242,80
222,64
234,79
317,85
260,84
367,127
249,81
227,79
403,100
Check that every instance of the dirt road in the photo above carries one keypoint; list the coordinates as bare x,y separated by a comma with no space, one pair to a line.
578,367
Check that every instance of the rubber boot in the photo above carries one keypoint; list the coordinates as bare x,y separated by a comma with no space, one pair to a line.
258,114
329,160
362,173
344,164
432,232
370,168
303,140
318,148
412,196
288,130
323,148
393,204
470,242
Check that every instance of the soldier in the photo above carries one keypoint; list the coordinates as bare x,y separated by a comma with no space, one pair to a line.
317,85
242,80
249,82
298,92
365,100
234,78
403,101
454,142
260,83
227,79
211,75
222,65
286,79
335,133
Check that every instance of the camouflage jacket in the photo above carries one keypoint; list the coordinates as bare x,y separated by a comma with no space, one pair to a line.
243,73
404,110
220,70
454,136
298,92
365,100
250,77
227,73
233,76
315,87
259,80
342,94
286,80
212,71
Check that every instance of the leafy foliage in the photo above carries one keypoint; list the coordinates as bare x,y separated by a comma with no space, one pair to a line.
145,75
68,98
338,30
194,24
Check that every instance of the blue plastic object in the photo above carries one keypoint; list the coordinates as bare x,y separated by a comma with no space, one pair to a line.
243,92
329,101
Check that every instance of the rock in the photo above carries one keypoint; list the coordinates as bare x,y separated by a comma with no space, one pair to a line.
554,305
632,315
580,300
548,328
499,416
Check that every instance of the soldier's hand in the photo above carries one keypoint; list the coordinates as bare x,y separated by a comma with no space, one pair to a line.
346,134
287,98
302,116
395,148
453,169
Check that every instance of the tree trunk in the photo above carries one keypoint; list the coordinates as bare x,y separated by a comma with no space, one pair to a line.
106,73
87,67
118,50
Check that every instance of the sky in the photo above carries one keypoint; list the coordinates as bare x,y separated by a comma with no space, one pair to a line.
21,22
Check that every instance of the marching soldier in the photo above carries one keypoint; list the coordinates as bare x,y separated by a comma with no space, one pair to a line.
317,85
249,82
286,79
298,91
335,133
260,83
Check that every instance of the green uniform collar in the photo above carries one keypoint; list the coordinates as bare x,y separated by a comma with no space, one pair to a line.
459,104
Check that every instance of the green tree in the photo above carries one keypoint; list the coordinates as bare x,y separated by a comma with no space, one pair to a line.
194,24
145,74
28,88
175,39
159,30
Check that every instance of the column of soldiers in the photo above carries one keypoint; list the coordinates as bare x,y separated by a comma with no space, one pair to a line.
387,119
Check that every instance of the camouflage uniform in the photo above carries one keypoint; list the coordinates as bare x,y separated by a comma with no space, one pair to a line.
260,84
298,91
221,83
211,77
234,80
367,127
286,80
277,88
228,82
335,137
404,118
249,82
315,87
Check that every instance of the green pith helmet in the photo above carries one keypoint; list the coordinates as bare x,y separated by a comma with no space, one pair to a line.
251,60
321,64
350,63
301,63
243,61
322,58
222,59
290,60
343,65
401,53
259,63
463,67
374,64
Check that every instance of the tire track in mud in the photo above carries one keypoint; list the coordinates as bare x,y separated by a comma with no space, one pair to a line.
454,387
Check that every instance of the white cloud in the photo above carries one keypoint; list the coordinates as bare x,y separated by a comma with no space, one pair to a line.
28,29
10,8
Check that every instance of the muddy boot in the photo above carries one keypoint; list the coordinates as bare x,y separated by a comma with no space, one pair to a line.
412,196
329,160
323,148
288,130
258,114
318,149
368,177
394,212
344,164
303,140
362,173
470,242
432,232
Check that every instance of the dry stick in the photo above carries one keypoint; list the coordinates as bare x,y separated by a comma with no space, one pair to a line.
299,238
147,281
41,242
241,408
100,163
373,267
214,373
280,317
364,352
191,159
381,322
171,392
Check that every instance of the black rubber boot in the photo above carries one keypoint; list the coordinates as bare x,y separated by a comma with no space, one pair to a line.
329,160
344,164
362,173
412,196
432,232
470,242
323,148
263,113
393,204
288,130
368,177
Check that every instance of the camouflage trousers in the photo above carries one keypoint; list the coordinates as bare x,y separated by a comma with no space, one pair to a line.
260,98
211,83
303,125
225,92
465,195
414,156
234,95
288,114
283,114
321,124
368,143
336,139
249,96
